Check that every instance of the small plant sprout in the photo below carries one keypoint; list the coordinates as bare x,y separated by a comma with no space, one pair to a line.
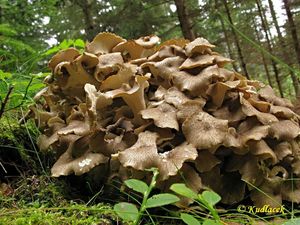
207,200
129,212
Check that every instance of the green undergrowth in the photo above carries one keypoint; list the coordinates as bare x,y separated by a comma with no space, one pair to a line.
28,195
71,214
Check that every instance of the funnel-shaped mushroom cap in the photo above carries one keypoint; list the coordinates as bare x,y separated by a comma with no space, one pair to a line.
108,64
72,76
206,132
68,55
148,41
164,116
126,72
69,162
199,45
144,155
268,94
134,97
103,43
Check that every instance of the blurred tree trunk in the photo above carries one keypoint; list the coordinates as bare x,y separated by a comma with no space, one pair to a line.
262,54
265,29
239,50
274,18
228,45
184,20
89,28
263,13
292,28
230,52
283,47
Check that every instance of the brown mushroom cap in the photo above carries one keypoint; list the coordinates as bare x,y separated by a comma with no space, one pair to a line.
121,107
178,42
134,50
148,41
67,55
68,164
103,43
199,45
144,155
164,116
124,74
108,64
268,94
205,132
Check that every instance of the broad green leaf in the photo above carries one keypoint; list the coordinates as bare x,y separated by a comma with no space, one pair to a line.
52,50
66,43
189,219
79,43
137,185
4,75
126,211
161,199
211,222
211,197
36,87
183,190
294,221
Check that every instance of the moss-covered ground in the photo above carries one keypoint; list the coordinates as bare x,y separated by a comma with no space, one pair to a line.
28,195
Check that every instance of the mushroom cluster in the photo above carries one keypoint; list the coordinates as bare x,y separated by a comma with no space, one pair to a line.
129,105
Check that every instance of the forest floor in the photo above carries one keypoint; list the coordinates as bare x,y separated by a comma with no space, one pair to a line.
29,195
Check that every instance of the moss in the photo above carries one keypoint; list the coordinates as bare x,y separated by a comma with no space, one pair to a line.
17,147
43,200
73,214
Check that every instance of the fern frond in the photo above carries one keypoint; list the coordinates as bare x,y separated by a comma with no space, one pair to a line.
16,44
7,30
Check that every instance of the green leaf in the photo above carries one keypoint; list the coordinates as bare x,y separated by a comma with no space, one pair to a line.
189,219
161,199
137,185
183,190
294,221
126,211
52,50
211,222
4,75
66,43
210,197
36,87
79,43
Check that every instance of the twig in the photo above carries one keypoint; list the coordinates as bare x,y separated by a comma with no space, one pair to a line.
3,104
24,97
1,165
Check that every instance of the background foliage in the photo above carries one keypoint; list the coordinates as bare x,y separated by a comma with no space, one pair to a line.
29,27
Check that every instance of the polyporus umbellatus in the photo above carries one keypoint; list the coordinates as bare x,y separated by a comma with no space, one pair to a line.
132,105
